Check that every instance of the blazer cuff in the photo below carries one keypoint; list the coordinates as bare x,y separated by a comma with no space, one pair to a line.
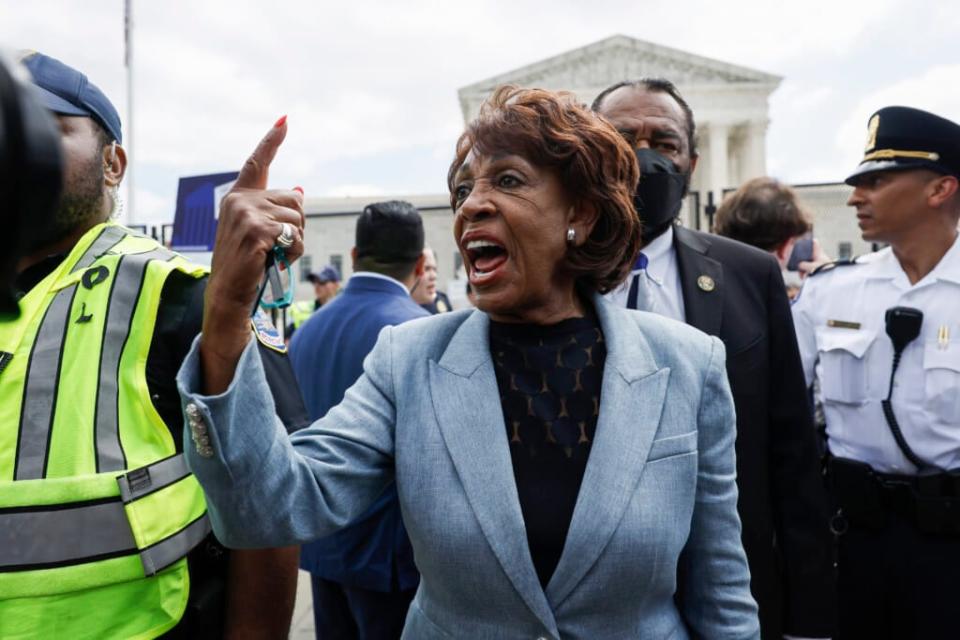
227,436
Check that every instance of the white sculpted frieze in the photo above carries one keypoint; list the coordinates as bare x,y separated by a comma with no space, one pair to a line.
600,67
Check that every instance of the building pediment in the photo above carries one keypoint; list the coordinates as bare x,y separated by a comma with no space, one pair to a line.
590,69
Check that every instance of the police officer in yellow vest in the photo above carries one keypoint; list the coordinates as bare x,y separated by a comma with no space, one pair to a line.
326,285
103,531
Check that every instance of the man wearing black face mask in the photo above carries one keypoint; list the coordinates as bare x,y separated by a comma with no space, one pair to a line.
735,292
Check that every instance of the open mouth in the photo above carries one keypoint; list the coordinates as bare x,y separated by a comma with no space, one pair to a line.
485,257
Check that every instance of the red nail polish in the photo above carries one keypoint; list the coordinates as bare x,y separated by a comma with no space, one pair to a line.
280,122
298,188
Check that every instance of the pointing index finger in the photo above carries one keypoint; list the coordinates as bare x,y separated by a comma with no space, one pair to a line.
256,169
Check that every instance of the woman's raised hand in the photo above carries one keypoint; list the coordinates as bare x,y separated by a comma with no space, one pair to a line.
252,218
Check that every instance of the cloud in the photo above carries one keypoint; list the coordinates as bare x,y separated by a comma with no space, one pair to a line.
763,34
152,208
936,90
364,83
799,97
354,190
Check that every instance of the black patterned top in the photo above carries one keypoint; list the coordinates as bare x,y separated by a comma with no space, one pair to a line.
549,379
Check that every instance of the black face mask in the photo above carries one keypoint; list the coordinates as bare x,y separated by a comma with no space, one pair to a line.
660,192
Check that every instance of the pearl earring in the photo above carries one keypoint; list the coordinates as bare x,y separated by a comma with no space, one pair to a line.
571,235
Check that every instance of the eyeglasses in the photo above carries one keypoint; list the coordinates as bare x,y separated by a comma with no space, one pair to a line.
277,274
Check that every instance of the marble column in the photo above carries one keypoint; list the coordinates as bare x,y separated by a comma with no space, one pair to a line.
754,150
718,137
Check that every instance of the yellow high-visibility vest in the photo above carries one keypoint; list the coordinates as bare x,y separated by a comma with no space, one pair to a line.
301,311
97,509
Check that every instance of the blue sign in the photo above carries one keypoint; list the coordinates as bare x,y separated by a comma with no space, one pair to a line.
198,206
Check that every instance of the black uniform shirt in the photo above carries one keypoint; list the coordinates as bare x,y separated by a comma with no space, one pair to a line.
178,322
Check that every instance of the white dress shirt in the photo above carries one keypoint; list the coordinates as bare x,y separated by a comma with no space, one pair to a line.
661,279
841,330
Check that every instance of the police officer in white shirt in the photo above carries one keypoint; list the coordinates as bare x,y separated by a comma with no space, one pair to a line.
882,334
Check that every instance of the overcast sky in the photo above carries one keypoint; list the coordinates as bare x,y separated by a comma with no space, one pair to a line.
370,87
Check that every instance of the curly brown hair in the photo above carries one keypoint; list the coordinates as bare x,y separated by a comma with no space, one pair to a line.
594,163
764,213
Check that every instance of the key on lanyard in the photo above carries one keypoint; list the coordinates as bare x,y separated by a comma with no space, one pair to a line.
279,298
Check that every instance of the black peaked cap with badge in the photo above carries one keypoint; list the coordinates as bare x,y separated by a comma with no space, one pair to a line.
901,138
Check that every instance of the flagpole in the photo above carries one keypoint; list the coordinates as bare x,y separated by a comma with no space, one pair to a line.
130,209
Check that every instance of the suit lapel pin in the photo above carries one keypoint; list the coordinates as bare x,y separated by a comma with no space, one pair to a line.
706,283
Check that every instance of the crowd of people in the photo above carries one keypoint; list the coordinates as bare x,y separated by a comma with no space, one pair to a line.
618,441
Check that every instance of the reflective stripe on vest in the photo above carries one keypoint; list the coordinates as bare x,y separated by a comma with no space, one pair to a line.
44,537
123,300
39,393
301,311
109,237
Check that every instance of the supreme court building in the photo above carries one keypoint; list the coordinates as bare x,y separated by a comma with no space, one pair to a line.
729,102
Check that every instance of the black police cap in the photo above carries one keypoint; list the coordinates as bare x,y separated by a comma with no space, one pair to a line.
391,232
900,138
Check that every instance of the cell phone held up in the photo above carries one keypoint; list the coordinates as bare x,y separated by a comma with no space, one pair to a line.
802,252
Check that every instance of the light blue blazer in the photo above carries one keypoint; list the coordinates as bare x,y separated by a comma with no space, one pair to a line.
658,497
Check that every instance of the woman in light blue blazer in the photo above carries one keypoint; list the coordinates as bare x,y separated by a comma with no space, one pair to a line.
565,467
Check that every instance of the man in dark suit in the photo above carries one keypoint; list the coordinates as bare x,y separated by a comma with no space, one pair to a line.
363,577
735,292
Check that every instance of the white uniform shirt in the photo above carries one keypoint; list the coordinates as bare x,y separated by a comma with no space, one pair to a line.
662,278
841,330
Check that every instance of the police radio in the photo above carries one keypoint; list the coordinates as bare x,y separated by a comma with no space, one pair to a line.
903,327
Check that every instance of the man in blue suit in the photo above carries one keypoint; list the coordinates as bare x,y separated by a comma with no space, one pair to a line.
363,577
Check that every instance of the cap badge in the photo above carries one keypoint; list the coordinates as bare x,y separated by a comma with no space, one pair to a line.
872,128
706,283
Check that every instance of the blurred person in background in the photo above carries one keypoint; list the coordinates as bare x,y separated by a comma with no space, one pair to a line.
425,293
764,213
326,285
767,214
363,576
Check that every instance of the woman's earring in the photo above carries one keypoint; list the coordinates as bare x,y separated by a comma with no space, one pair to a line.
571,235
